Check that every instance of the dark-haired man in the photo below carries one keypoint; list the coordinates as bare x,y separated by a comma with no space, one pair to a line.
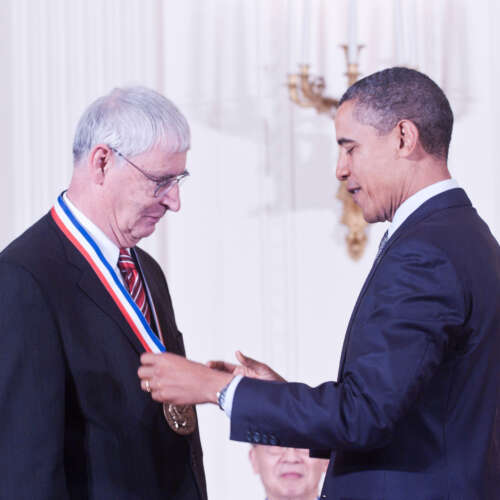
414,413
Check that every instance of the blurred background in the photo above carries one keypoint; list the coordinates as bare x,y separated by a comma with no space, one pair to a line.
256,259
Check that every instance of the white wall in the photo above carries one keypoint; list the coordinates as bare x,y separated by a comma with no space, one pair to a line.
256,259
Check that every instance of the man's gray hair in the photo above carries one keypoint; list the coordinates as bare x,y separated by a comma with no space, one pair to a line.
132,120
386,97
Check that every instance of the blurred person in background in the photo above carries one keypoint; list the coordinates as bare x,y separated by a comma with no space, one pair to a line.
287,473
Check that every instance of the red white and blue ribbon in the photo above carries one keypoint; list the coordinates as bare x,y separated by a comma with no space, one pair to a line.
84,243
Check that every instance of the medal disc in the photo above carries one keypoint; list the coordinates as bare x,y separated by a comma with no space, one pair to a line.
180,418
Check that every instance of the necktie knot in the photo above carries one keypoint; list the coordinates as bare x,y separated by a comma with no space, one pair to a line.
125,262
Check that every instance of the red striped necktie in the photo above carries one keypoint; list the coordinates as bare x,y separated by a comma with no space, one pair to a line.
134,282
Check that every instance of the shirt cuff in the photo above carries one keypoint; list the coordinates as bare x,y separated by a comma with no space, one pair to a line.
227,405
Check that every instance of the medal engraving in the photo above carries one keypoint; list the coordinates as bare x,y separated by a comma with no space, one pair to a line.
180,418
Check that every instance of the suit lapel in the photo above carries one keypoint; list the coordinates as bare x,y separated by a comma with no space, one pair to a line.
161,300
448,199
91,285
94,289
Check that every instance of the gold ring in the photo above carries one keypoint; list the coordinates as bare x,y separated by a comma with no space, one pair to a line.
148,387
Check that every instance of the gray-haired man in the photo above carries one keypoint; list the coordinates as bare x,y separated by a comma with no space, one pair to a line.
80,304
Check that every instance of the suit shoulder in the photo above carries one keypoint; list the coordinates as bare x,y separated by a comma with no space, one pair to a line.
39,245
448,229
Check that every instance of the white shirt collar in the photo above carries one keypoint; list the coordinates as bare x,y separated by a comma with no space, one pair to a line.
107,247
415,201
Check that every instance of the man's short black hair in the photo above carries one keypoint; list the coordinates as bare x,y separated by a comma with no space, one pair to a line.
386,97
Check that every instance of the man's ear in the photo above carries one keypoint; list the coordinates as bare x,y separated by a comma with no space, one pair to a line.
408,136
98,160
253,460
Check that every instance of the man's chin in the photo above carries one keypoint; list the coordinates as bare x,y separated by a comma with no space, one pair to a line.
369,217
145,231
293,491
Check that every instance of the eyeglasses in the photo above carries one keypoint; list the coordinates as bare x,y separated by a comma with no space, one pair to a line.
163,184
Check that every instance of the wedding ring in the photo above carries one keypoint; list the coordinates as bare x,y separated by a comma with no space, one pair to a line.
148,387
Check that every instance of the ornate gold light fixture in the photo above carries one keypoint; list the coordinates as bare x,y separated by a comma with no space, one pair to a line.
308,91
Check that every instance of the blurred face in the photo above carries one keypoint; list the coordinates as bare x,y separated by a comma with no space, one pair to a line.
287,473
131,209
368,163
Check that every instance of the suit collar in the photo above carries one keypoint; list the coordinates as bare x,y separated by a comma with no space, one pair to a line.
448,199
417,199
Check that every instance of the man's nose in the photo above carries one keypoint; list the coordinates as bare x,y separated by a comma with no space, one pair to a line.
342,172
294,455
171,199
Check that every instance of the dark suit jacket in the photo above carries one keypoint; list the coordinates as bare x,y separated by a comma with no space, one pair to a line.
415,412
74,421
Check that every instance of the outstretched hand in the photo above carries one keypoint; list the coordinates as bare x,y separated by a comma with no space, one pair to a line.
174,379
249,367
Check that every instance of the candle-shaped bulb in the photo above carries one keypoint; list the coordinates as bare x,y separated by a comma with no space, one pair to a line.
352,36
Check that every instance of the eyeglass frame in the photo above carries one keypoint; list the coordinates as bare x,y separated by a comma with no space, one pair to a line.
168,181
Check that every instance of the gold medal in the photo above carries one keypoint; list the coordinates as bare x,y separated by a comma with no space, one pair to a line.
180,418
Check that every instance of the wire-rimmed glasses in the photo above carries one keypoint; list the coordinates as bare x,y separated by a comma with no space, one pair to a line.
163,184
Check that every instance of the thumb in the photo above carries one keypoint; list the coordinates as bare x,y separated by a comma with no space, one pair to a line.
246,361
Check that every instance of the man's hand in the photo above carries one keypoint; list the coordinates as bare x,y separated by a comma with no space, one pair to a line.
175,379
248,368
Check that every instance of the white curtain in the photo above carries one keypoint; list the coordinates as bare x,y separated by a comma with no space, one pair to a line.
256,259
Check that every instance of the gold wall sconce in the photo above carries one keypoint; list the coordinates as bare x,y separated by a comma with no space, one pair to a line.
307,91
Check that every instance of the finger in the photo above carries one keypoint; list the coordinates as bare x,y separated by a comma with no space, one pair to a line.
146,385
216,365
222,366
149,358
240,357
158,396
145,372
246,361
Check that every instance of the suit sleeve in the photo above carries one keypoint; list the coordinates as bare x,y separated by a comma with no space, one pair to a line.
32,391
412,312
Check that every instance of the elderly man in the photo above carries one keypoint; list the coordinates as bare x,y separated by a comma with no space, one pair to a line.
414,413
80,303
287,473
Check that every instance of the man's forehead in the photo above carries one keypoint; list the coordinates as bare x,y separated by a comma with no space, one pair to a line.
345,131
349,128
344,116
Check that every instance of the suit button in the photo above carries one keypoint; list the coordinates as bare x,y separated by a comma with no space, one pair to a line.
273,440
323,495
256,437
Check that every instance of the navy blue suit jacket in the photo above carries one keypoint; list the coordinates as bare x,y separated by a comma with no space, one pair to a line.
415,414
74,423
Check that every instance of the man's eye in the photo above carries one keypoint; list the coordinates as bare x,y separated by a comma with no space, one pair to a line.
165,182
350,150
